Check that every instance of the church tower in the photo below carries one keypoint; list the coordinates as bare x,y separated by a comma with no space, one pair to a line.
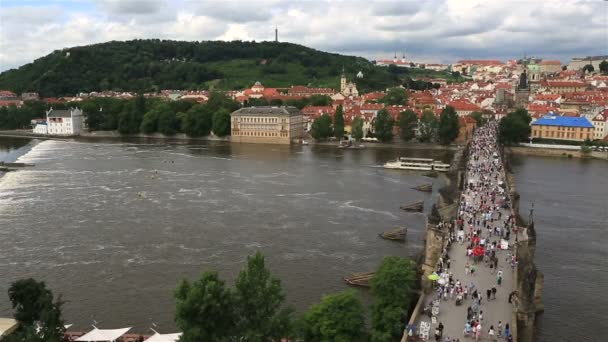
342,81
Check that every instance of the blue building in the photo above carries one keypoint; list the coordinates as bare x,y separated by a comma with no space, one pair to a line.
553,126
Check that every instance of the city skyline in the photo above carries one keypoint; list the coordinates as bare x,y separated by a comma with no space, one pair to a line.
427,31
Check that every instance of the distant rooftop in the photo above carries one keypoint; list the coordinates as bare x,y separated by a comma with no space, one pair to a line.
268,110
563,121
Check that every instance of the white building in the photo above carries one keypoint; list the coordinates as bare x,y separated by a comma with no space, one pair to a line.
600,125
41,128
64,122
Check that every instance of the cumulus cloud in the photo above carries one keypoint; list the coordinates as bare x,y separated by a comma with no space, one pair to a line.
431,30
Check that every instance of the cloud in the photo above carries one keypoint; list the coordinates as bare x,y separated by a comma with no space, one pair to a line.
126,7
433,30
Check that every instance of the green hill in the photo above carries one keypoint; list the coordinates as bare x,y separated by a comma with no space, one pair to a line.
147,65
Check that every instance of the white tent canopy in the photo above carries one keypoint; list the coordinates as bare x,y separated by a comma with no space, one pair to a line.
103,335
164,337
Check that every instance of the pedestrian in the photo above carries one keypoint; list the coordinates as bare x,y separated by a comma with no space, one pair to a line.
493,293
467,268
507,330
472,270
511,296
499,277
440,327
481,315
437,335
488,293
491,334
499,330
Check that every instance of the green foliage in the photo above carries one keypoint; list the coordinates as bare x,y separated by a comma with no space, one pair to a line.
168,123
383,126
604,67
219,101
321,127
259,298
395,96
427,128
205,309
221,123
339,123
34,307
197,121
153,64
588,68
448,126
408,120
393,287
515,127
357,128
12,117
478,117
337,318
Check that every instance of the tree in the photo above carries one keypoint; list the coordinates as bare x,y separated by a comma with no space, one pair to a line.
259,299
515,127
408,120
336,318
150,122
221,123
321,127
392,286
357,128
339,123
478,117
604,67
168,123
588,68
427,129
205,309
39,316
197,121
395,96
219,101
383,126
448,126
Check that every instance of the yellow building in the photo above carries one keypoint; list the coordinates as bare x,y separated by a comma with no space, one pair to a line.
270,125
563,128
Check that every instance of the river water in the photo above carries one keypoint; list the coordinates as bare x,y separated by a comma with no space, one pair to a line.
115,225
571,218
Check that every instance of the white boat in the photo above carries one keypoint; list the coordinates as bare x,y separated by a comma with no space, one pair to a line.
420,164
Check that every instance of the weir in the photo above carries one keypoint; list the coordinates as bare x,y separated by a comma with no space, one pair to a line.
518,297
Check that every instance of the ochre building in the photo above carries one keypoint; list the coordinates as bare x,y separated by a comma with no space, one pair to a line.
563,128
269,125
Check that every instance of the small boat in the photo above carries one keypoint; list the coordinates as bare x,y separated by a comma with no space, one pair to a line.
398,234
348,144
359,279
304,142
424,187
418,206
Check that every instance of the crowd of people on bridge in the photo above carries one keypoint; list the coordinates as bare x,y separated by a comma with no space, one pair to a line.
485,224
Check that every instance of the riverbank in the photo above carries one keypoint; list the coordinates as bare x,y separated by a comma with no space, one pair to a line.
560,153
27,134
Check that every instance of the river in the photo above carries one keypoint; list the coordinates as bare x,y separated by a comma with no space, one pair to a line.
571,218
114,226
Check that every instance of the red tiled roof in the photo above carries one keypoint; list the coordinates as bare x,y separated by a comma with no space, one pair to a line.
481,62
7,93
463,105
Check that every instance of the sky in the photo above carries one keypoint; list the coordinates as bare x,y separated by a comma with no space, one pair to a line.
424,30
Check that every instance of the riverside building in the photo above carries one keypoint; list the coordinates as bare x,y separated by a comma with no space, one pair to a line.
269,125
557,127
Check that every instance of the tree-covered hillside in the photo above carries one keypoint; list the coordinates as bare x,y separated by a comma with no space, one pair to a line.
148,65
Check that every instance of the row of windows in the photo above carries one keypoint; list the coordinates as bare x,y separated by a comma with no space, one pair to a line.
258,120
261,134
554,134
561,128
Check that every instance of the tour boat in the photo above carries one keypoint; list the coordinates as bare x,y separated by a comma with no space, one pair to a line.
420,164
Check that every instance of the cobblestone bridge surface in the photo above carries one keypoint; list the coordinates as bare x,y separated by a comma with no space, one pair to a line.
479,256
